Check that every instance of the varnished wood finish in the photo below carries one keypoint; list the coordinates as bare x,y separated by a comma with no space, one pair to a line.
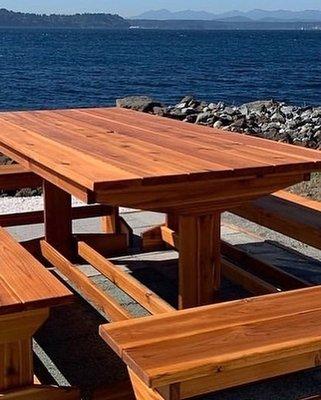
199,259
105,243
219,339
248,281
101,299
290,214
16,331
95,150
37,217
24,282
233,378
145,297
263,269
239,266
111,223
58,219
143,392
125,158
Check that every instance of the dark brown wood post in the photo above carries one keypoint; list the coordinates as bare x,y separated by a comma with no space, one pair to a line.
58,219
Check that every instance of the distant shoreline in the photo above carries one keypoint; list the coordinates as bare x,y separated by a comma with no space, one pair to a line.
12,19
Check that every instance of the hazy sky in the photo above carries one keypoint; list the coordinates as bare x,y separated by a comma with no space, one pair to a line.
134,7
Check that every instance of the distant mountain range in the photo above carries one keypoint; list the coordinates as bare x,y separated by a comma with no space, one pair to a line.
164,19
234,16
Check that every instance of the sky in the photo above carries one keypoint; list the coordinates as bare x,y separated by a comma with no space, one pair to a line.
129,8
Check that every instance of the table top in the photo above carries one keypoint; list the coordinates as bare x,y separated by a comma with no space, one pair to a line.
107,148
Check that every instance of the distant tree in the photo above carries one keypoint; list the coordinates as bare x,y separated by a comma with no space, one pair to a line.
18,19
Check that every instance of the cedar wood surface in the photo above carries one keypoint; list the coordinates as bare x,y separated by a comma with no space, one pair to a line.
91,150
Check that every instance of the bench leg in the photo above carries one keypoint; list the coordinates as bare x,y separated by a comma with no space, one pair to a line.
143,392
16,358
111,223
58,219
199,259
115,224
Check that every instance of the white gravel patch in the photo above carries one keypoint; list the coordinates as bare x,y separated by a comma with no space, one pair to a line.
10,205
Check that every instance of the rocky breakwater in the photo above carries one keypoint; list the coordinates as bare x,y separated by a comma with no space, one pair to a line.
268,119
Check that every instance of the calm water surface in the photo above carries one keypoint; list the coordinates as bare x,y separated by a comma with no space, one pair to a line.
73,68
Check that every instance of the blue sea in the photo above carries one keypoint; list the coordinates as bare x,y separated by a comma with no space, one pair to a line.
76,68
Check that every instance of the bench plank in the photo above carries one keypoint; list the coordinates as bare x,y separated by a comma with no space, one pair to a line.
202,342
287,213
28,284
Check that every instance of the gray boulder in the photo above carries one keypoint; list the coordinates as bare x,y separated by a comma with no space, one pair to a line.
138,103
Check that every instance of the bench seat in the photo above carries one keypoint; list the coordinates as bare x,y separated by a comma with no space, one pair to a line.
287,213
225,345
25,284
27,292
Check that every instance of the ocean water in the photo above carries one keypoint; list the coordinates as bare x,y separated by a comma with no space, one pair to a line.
79,68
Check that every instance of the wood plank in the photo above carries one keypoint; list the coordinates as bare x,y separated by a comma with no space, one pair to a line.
67,163
108,244
200,157
37,217
248,281
26,278
261,268
144,296
107,144
197,197
220,316
58,219
195,355
101,299
230,379
205,143
289,214
194,129
16,177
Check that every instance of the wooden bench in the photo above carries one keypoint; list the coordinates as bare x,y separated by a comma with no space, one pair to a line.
182,354
27,291
287,213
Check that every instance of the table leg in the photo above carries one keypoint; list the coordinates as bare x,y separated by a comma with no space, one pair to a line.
58,219
199,259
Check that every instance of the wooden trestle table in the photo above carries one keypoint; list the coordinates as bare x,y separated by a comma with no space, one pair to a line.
121,157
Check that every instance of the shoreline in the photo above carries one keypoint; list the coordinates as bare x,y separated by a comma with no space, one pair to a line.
269,119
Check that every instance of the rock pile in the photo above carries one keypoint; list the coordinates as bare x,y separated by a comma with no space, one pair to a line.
269,119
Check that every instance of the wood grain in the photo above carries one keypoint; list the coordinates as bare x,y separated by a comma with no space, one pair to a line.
290,214
101,299
94,150
219,338
58,219
144,296
27,282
